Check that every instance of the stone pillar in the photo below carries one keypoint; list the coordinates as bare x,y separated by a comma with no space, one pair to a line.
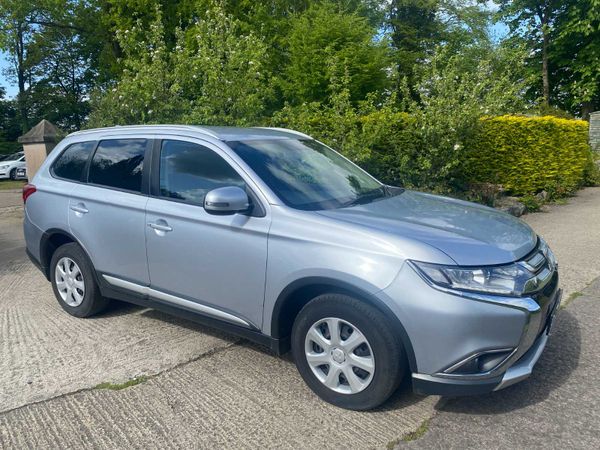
595,130
37,144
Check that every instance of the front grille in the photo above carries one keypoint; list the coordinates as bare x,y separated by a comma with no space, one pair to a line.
546,299
543,287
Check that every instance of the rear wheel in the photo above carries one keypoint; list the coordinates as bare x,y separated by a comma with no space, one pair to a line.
347,352
73,282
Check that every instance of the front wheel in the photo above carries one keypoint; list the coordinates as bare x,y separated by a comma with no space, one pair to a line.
13,174
347,352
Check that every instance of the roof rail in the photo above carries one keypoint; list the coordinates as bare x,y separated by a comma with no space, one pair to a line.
149,127
287,130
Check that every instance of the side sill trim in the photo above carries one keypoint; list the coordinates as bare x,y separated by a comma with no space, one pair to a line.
158,295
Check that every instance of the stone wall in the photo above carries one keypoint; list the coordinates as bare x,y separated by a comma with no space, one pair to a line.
595,130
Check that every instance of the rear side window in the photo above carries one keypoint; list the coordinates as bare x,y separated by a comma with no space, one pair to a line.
71,163
118,163
188,171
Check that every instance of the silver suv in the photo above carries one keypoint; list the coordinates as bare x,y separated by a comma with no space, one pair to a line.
271,235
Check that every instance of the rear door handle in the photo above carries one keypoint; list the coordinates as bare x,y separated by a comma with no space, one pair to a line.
79,208
160,226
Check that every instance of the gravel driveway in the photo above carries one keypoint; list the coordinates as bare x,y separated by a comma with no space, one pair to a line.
207,389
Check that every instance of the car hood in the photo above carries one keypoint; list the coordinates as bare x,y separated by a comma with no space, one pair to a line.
469,233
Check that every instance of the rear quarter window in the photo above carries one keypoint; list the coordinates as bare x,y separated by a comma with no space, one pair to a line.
71,163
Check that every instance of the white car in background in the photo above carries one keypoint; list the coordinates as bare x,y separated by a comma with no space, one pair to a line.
10,164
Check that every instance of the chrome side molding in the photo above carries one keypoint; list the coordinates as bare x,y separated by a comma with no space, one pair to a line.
169,298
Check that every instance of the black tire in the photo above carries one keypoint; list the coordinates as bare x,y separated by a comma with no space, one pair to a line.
93,302
385,344
13,174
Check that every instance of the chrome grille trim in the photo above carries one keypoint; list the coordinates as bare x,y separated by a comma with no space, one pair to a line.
535,262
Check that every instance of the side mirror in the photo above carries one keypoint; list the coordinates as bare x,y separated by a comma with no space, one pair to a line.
226,200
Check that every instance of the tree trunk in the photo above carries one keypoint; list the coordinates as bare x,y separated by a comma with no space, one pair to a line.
545,76
21,100
586,109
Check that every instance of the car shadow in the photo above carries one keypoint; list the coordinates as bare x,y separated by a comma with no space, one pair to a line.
554,368
559,360
117,308
188,324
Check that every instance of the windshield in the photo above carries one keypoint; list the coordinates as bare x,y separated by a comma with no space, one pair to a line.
11,157
307,175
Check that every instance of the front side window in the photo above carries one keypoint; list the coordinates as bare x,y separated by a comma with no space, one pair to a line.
71,163
308,175
118,163
188,171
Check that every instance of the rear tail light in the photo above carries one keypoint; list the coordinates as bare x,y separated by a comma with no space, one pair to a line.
28,189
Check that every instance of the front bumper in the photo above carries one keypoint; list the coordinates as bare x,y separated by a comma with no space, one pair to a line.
453,338
516,369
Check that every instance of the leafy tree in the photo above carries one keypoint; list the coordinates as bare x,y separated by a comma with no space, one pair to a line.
9,125
455,91
415,31
534,21
223,71
51,58
325,42
214,75
576,57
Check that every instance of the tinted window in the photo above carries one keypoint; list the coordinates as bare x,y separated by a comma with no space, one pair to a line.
188,171
12,157
308,175
118,163
71,162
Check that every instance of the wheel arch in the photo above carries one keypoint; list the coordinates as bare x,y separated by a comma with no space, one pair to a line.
51,240
298,293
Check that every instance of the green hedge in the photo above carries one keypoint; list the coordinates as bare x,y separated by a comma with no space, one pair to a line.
523,154
9,147
530,154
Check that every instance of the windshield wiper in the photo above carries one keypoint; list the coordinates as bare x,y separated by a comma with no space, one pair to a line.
367,197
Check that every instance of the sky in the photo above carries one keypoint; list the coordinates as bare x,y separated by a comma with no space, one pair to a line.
11,89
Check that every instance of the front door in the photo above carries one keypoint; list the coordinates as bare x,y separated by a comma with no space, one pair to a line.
213,264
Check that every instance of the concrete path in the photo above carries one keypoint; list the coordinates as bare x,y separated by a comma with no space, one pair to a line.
557,408
10,197
207,389
573,232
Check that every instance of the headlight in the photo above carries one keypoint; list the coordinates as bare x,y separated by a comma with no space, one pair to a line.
505,280
4,167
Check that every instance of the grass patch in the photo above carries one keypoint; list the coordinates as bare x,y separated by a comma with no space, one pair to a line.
572,297
412,436
119,386
11,184
419,432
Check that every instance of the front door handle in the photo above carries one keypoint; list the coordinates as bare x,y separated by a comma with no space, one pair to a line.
160,226
79,208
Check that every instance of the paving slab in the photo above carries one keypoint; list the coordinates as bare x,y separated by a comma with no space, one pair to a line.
45,352
240,397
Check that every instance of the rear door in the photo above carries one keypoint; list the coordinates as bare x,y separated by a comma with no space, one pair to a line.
107,211
213,264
